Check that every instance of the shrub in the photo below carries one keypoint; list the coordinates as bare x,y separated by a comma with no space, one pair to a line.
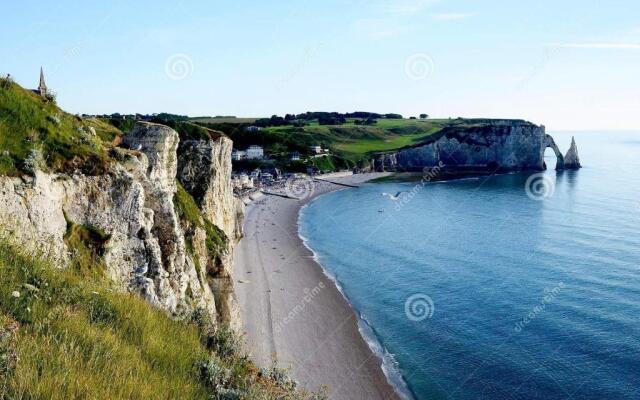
280,377
87,245
224,341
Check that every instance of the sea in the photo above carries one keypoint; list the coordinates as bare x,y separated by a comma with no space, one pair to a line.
516,286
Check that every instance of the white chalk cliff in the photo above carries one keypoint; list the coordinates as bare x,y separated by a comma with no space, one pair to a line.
478,146
146,251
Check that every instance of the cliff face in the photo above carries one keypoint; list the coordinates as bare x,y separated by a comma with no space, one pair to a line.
204,169
487,146
147,251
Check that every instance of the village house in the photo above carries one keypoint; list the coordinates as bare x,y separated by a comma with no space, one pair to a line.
315,149
238,155
252,128
242,181
255,152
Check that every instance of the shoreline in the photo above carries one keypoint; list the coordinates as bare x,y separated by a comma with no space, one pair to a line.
389,365
296,314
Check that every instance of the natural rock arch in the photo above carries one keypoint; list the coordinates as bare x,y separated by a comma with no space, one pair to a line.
549,142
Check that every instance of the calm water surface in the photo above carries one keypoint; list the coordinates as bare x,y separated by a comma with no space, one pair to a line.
479,291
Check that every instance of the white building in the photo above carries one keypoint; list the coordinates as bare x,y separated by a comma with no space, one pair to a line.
295,156
255,152
238,155
252,129
242,181
315,149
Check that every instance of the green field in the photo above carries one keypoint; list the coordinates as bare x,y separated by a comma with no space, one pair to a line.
354,141
349,143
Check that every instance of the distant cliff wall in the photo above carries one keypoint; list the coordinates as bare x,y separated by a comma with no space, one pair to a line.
484,146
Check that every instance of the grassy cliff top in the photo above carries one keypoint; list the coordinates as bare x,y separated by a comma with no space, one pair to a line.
34,131
350,142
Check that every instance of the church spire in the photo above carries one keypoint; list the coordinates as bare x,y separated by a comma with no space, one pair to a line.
42,88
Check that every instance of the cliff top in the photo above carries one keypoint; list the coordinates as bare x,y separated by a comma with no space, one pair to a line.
35,132
351,141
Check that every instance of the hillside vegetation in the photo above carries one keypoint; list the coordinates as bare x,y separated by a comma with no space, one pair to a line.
66,334
35,132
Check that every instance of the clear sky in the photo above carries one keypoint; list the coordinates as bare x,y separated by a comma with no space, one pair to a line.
568,64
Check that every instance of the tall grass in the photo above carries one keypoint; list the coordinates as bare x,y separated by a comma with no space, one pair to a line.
29,123
80,338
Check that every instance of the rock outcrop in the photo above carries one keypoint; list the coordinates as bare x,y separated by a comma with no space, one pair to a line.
204,170
147,251
477,146
571,159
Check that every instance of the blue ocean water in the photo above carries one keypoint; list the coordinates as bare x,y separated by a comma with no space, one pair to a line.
481,290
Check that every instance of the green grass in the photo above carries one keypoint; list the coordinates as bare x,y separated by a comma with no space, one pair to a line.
366,146
356,142
30,124
80,339
77,338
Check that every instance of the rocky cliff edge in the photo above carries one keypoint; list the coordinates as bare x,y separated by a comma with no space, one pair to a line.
167,210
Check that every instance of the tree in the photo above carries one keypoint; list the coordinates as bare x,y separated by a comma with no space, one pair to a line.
424,116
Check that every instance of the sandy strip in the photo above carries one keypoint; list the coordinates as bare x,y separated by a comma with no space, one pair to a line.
293,313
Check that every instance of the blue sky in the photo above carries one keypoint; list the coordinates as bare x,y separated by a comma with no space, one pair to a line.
566,64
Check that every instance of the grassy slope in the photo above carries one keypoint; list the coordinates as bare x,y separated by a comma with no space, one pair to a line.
67,333
29,123
355,141
78,338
